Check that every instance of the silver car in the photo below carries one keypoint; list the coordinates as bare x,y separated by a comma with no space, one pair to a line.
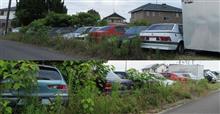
165,36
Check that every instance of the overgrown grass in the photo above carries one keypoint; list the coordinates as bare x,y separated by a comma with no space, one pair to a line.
106,49
149,99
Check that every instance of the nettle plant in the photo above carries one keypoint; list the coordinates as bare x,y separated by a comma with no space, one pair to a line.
16,75
139,78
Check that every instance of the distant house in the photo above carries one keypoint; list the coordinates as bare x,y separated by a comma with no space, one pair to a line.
3,16
115,19
156,68
157,13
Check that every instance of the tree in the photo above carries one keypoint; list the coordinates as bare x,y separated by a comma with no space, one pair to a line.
30,10
95,14
56,6
86,19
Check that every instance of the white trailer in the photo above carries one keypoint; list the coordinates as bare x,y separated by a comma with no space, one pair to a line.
201,25
196,70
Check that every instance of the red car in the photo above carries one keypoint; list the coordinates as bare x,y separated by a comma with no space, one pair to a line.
107,31
174,77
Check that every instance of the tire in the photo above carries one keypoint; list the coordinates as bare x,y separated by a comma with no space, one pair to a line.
180,49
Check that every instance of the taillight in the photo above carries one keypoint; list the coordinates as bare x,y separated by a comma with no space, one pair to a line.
165,38
60,87
108,86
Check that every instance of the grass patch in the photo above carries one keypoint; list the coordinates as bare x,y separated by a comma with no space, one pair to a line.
106,49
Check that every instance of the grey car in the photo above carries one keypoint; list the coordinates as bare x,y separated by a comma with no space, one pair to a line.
50,84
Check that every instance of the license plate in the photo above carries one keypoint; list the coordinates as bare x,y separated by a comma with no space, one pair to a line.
45,101
153,39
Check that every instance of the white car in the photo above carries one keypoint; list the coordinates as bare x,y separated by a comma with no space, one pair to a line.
81,32
165,36
160,78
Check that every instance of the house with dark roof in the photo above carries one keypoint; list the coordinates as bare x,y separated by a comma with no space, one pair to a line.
157,13
115,19
3,16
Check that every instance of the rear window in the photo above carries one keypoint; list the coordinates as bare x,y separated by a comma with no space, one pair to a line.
48,74
161,27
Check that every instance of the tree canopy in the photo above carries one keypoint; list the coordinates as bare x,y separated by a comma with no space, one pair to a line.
30,10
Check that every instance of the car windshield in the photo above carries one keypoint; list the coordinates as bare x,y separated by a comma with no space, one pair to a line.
161,27
104,28
94,29
45,74
80,30
135,30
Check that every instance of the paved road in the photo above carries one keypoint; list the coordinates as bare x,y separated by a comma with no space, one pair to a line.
11,50
206,105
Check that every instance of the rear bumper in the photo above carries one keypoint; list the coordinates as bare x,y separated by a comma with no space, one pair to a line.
44,100
159,45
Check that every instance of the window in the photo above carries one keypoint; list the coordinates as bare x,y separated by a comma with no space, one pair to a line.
48,74
177,15
3,24
181,29
161,27
153,14
165,18
1,12
147,13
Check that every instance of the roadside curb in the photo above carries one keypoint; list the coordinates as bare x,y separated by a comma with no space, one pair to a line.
186,101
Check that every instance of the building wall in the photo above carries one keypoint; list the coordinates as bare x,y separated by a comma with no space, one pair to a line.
196,70
3,16
157,17
115,20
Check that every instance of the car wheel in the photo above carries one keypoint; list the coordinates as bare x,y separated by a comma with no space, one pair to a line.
180,49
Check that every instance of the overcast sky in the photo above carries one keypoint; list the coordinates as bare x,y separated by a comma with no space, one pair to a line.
105,7
120,65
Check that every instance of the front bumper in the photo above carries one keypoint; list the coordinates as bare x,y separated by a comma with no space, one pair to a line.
159,45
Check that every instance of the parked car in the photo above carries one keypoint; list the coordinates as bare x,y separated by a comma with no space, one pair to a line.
94,29
108,31
162,80
16,30
211,77
81,32
50,84
174,77
166,36
56,31
121,74
112,78
134,32
189,76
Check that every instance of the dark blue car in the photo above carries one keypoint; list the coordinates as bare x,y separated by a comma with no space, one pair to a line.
134,31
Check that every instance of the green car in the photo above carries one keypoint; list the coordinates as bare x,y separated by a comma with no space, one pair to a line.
50,84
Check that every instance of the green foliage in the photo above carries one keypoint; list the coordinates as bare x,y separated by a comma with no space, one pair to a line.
94,14
58,20
4,108
102,23
30,10
140,23
86,19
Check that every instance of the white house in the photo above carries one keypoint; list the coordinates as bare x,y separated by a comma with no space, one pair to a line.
3,17
156,68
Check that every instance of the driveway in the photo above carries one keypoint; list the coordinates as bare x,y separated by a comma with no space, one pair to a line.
11,50
207,105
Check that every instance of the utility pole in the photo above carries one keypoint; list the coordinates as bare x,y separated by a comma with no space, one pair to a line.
7,19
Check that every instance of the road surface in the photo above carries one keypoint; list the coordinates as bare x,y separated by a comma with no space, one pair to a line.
11,50
206,105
